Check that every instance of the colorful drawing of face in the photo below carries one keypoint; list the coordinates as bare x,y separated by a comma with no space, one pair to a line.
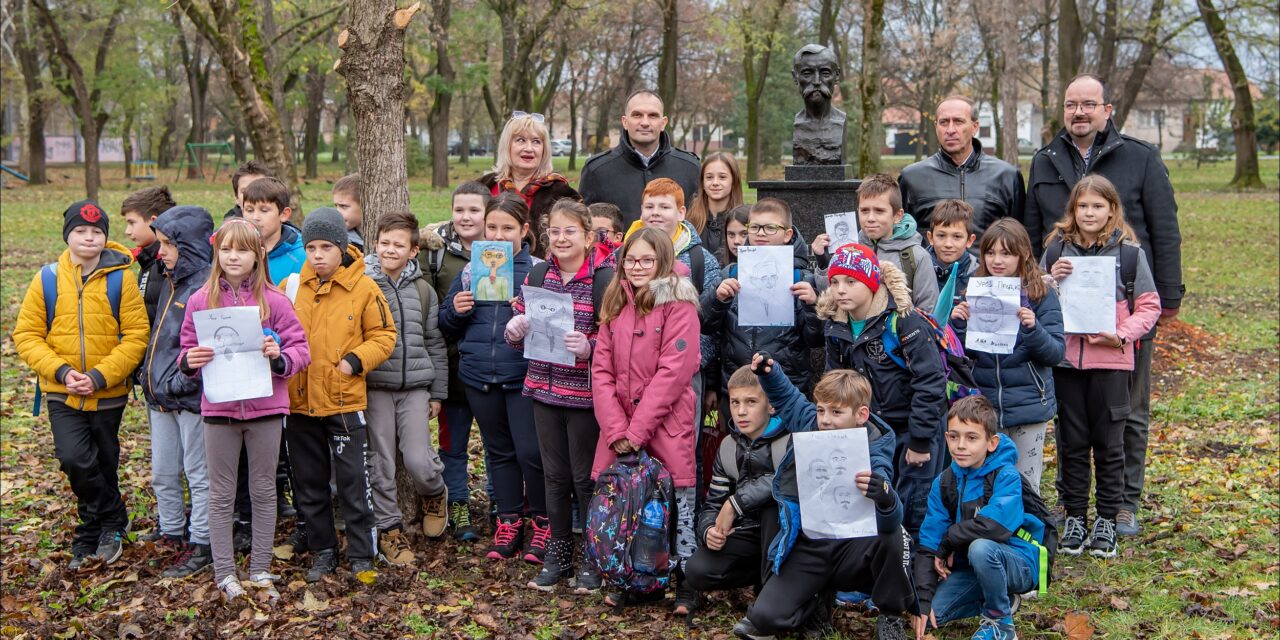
493,258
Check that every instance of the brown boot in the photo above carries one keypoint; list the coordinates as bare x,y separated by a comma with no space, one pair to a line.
395,548
435,514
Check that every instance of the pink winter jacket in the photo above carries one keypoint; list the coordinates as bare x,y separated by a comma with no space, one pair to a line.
1146,311
641,371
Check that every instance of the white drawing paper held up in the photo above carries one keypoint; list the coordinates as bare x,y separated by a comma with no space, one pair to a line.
827,463
238,370
993,314
550,317
765,299
1089,295
842,229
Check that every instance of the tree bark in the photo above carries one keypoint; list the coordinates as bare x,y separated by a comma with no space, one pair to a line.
1070,53
438,118
126,142
373,64
1046,44
1009,81
27,49
870,95
1243,123
231,28
1138,74
335,155
670,60
759,35
88,103
311,120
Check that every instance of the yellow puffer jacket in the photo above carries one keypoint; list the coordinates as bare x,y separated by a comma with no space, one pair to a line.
85,335
345,315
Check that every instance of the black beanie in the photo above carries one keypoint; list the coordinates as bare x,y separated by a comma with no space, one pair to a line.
85,212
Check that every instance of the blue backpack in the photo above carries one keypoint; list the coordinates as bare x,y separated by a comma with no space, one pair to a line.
613,526
49,287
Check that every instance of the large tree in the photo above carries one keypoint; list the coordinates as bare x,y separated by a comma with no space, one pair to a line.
870,93
232,28
28,50
758,24
1243,123
526,58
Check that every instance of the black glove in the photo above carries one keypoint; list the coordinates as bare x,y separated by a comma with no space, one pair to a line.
764,366
880,491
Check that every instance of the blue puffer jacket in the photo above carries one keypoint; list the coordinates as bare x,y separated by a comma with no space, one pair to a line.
165,387
1020,384
797,414
485,358
998,518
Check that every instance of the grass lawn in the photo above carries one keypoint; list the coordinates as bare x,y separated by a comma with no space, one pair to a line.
1205,565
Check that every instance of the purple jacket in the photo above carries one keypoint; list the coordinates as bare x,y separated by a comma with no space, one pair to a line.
294,351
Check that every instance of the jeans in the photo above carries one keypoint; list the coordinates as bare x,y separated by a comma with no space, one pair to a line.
996,571
177,449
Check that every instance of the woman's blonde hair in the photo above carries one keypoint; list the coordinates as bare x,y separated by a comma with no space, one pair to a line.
700,213
239,233
525,125
615,297
1013,236
1067,229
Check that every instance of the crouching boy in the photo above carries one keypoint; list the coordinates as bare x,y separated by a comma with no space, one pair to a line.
739,517
806,571
987,546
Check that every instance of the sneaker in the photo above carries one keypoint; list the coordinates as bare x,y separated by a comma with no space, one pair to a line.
993,629
891,627
507,537
231,588
558,565
1015,603
587,581
294,545
194,559
1102,540
541,529
242,536
435,514
283,508
79,555
460,518
364,570
323,563
744,629
1127,523
395,548
110,546
267,582
1073,536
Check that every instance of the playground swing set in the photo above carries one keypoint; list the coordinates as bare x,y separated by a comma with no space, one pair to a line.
147,169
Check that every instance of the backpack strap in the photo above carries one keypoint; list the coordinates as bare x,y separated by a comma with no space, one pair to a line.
600,280
115,280
728,455
538,274
1129,271
778,449
435,259
426,299
49,287
892,341
950,492
908,260
1052,254
698,266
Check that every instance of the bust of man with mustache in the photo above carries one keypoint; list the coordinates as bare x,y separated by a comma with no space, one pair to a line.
819,127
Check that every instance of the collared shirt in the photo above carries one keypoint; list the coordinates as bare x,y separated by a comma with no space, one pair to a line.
645,160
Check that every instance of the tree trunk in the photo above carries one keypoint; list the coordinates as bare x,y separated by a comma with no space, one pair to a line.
126,141
1008,80
28,53
670,60
234,33
1046,44
373,64
759,35
464,132
335,155
1138,74
438,118
1107,41
870,94
1070,53
1243,122
311,120
828,11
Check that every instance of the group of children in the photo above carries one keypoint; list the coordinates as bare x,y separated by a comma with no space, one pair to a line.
365,349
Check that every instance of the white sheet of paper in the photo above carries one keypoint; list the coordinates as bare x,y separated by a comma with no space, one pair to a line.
842,228
1089,295
291,285
550,317
238,371
827,463
993,314
765,299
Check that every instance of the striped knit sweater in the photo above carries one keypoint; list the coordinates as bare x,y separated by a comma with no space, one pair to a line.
557,384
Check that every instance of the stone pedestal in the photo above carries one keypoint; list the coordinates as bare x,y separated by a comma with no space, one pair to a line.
812,191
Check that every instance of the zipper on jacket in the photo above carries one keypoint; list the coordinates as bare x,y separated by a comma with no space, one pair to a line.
235,298
1040,385
404,353
999,395
80,322
964,482
154,343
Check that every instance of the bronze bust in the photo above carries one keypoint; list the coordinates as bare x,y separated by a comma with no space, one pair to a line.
819,127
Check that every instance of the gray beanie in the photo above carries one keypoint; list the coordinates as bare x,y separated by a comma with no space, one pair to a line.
326,224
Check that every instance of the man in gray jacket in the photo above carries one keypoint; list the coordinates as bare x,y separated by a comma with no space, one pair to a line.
961,170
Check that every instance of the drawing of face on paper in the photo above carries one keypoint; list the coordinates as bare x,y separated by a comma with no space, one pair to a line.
842,496
841,228
820,472
839,462
765,299
226,341
987,314
491,270
546,323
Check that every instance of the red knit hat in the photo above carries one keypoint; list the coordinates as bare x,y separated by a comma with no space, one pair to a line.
858,262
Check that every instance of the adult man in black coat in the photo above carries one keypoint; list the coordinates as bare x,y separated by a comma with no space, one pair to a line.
644,153
1090,144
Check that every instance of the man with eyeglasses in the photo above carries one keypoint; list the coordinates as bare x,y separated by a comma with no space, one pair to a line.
1090,144
644,153
961,170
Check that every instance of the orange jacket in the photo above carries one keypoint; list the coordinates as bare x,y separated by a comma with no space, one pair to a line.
345,317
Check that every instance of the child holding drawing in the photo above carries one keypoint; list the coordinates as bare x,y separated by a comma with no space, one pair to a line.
1019,384
238,278
562,407
493,376
1093,379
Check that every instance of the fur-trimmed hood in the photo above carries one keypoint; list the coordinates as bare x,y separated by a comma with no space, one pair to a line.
672,288
433,235
892,282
